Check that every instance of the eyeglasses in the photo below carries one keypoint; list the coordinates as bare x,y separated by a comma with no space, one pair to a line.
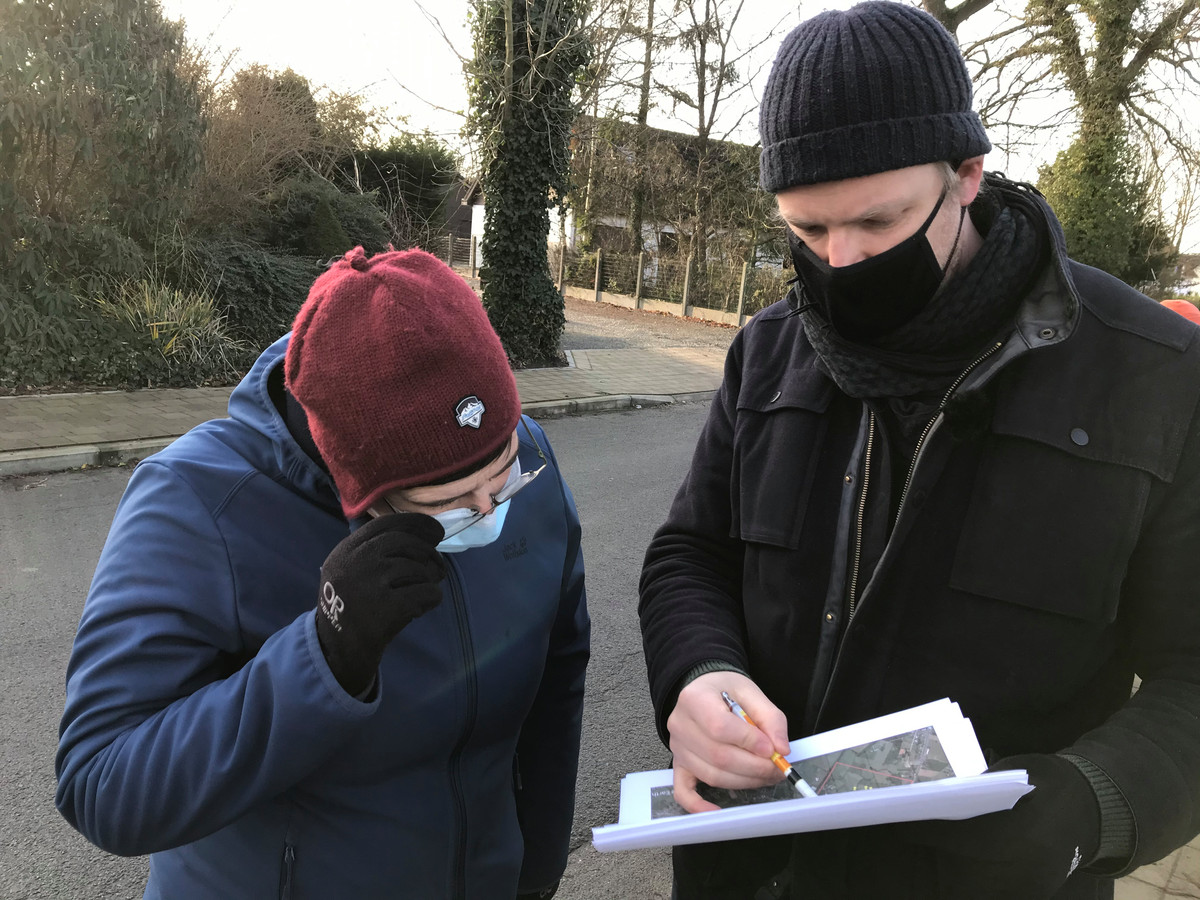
503,495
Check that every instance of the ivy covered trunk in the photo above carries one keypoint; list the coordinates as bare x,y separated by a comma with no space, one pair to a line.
518,292
528,54
1101,198
1098,186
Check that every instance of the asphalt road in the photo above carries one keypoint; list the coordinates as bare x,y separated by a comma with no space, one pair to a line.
624,469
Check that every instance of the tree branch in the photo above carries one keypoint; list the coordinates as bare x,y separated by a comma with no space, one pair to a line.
1162,36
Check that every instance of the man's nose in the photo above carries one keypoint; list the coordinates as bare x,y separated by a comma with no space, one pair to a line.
843,249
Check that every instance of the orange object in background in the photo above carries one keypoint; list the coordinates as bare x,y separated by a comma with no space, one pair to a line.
1184,308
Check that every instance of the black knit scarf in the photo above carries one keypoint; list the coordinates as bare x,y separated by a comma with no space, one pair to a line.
975,306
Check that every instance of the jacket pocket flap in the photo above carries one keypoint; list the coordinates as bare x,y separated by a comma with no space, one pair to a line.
1088,412
1050,531
803,389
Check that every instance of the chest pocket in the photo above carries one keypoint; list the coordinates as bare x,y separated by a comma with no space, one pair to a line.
777,439
1053,519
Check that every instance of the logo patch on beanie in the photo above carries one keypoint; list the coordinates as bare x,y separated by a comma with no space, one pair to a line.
469,411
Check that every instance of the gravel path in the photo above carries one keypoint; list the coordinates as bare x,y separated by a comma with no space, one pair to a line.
601,326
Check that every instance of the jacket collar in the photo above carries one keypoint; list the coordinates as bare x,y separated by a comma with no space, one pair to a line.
251,404
1050,310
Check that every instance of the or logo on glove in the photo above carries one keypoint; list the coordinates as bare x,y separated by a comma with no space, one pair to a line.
373,584
331,604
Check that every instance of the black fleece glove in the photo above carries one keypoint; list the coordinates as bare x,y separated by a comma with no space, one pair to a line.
1027,851
374,583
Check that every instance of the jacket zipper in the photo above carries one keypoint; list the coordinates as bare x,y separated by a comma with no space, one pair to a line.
289,865
862,501
464,631
862,509
929,425
904,493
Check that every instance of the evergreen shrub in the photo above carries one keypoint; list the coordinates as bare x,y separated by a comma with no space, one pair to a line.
294,217
258,290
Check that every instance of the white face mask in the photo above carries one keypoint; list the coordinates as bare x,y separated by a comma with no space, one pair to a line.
483,532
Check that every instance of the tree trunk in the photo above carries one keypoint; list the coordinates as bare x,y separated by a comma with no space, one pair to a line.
704,126
583,224
638,202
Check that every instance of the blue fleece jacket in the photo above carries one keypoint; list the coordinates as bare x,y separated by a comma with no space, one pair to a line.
203,725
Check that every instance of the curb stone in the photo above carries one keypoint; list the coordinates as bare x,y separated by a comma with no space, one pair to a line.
60,459
45,460
550,409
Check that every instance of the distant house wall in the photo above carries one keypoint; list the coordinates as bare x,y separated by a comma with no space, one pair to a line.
656,237
477,230
556,227
459,212
651,231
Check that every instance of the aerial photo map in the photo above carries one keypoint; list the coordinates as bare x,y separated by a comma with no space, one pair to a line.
902,759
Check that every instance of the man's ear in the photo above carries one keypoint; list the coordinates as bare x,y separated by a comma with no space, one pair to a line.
970,174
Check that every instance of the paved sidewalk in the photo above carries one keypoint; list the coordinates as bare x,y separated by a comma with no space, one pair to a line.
52,432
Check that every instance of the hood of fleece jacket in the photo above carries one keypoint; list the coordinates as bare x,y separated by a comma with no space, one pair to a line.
250,404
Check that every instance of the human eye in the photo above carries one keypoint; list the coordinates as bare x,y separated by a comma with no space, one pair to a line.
432,507
501,481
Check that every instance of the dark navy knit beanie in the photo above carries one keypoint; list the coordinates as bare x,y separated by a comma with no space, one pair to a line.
877,87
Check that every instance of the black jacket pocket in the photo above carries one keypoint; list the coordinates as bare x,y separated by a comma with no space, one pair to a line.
777,439
1050,530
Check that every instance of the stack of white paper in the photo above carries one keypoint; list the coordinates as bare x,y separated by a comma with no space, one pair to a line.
920,763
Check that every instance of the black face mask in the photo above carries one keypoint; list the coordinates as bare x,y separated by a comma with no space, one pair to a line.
873,297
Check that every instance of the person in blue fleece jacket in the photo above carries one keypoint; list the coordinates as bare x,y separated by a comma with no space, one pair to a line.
335,643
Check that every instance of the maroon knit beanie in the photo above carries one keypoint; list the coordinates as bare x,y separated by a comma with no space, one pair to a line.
401,374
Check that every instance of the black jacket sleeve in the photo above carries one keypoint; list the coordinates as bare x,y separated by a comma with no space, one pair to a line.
691,606
1150,748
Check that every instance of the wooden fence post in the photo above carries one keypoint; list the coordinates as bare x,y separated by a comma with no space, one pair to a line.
599,266
562,269
741,310
687,284
474,255
637,290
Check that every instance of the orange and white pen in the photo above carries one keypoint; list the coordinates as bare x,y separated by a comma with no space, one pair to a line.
781,763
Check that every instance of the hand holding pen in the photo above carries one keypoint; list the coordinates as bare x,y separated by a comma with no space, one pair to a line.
710,745
778,758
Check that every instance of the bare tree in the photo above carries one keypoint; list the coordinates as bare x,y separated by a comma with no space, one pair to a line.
614,34
264,127
953,16
706,84
637,203
1054,67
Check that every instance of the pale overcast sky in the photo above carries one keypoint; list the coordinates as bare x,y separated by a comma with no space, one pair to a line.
370,47
392,54
395,57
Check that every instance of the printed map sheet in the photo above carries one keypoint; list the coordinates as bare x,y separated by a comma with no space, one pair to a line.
920,763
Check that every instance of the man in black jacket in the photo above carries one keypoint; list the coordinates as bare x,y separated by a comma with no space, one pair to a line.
954,463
